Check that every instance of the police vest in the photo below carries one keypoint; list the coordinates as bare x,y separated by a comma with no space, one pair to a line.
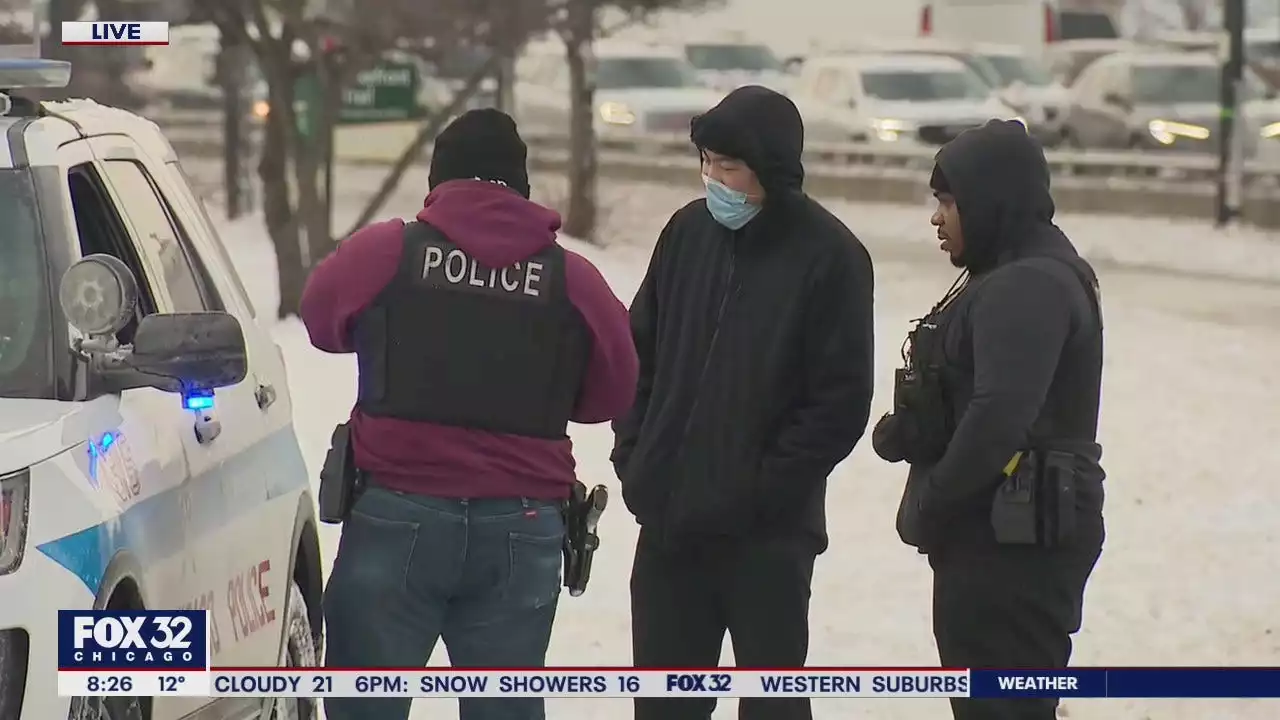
453,342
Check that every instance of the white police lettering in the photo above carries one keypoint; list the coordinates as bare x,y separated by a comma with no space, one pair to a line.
451,267
455,266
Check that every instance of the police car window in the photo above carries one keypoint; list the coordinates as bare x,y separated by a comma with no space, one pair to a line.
159,232
211,232
26,335
100,229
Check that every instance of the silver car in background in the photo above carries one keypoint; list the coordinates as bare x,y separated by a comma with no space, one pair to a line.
893,99
1021,81
1165,101
640,89
728,65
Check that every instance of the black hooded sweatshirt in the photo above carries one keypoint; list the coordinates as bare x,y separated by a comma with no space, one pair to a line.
1022,343
756,349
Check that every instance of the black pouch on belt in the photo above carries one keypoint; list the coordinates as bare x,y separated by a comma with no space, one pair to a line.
1036,504
1014,511
340,482
1058,488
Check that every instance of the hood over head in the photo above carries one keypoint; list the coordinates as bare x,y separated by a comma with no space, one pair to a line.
763,129
491,222
1000,180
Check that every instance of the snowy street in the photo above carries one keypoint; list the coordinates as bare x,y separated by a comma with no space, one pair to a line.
1191,570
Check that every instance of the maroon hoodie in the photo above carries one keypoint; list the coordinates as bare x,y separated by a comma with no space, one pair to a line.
498,228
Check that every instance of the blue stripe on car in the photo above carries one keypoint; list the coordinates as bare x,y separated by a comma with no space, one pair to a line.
156,528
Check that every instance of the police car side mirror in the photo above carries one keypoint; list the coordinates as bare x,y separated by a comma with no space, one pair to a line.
176,352
190,352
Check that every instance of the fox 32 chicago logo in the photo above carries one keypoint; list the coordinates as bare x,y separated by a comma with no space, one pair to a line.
132,640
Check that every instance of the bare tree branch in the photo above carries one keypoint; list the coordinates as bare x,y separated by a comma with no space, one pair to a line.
413,151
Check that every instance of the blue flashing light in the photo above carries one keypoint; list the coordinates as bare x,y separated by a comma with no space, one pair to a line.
198,400
97,450
34,73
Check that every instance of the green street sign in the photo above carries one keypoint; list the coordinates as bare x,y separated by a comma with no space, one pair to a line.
386,92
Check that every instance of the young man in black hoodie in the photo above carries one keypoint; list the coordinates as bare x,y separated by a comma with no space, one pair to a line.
754,330
997,414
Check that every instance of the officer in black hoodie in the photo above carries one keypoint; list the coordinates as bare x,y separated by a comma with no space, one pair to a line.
996,410
754,330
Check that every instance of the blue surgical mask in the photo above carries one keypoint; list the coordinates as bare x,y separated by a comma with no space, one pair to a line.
729,207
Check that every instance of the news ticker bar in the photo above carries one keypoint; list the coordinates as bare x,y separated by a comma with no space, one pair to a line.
729,683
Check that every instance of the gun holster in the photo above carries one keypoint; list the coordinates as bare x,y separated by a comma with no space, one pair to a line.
582,513
1036,503
341,483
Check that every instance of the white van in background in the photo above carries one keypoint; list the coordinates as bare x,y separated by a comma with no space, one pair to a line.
1030,24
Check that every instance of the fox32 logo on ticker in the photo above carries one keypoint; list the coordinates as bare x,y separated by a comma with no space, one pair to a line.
132,640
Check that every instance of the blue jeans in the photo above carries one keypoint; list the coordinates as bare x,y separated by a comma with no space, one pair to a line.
484,575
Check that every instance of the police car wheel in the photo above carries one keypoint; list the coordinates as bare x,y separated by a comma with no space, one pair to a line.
301,650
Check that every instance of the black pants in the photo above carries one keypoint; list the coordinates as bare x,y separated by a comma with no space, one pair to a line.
683,600
1008,607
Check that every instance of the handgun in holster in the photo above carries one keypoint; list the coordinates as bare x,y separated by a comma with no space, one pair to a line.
341,483
582,513
1036,502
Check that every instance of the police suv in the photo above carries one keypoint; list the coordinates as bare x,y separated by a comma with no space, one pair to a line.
147,453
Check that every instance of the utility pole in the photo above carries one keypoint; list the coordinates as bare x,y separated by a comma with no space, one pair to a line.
1230,143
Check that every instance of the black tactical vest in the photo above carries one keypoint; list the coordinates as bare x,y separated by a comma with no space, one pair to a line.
452,342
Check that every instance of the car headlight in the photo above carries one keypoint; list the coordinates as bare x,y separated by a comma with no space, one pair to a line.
889,129
615,113
1271,131
1166,132
14,509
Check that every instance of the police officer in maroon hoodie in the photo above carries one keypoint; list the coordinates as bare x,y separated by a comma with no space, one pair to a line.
479,338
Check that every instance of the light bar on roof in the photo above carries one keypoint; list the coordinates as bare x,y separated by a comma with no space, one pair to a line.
33,73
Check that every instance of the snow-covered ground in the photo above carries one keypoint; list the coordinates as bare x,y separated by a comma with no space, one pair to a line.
1190,421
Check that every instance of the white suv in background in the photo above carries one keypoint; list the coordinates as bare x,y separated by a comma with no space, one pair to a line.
894,99
640,89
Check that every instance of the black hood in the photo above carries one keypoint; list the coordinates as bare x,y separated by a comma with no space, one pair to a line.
761,128
1000,180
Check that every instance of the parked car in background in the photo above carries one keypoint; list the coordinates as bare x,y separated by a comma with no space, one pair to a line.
727,65
450,73
1166,101
1026,85
1067,59
1021,80
1262,51
639,89
901,98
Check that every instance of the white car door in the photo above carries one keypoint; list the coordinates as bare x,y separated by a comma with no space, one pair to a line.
284,470
138,467
240,556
